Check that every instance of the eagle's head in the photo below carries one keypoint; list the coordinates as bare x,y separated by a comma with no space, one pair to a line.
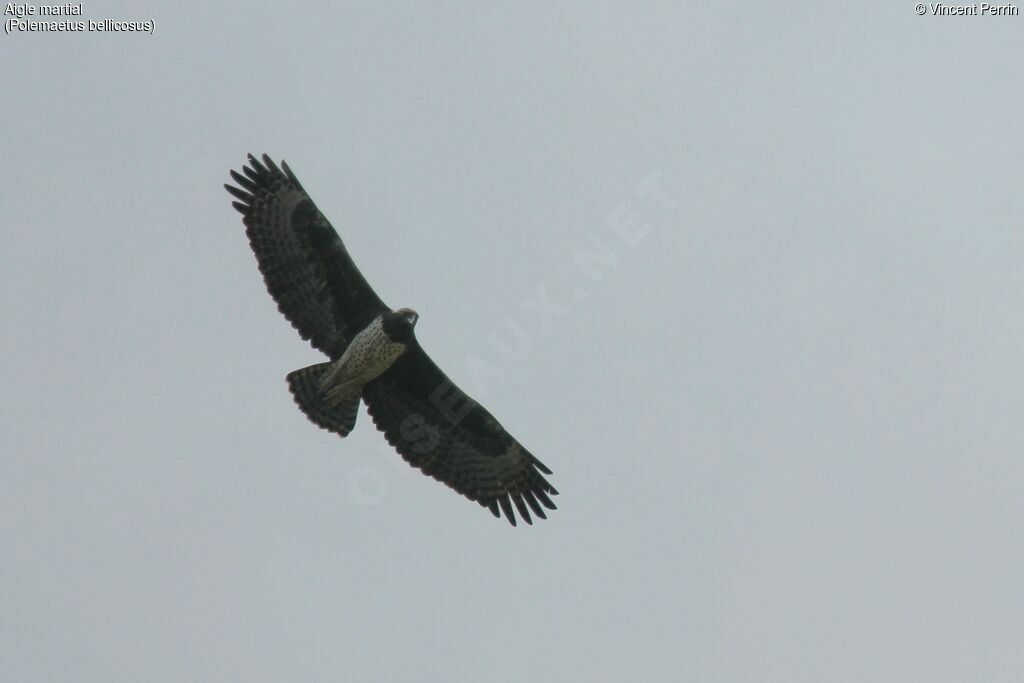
398,324
408,315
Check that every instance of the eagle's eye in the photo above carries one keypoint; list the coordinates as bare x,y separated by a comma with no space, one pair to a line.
410,316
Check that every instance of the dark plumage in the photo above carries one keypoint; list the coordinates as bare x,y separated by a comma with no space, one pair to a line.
374,354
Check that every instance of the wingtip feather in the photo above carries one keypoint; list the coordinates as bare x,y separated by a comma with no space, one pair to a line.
523,512
243,181
506,507
543,497
531,500
541,466
239,194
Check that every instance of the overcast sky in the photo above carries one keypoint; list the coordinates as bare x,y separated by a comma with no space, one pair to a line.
777,369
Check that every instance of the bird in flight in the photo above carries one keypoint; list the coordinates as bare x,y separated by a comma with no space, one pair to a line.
374,355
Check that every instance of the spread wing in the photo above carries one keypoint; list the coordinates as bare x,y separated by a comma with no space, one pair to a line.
436,427
306,267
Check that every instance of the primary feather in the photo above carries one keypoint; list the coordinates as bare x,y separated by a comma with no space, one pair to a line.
374,354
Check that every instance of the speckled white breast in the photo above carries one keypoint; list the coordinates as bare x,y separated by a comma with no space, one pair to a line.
370,353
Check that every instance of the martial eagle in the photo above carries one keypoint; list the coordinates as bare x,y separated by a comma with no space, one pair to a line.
374,355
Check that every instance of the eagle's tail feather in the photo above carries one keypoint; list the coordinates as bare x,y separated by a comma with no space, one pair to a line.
332,412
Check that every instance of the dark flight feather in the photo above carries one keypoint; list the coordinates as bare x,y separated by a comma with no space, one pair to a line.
433,424
305,266
439,429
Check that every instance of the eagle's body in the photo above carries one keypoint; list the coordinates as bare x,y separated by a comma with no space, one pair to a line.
370,353
374,355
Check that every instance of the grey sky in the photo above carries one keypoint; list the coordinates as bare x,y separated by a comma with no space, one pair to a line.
786,424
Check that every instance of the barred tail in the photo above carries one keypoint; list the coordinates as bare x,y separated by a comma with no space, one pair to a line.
335,413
